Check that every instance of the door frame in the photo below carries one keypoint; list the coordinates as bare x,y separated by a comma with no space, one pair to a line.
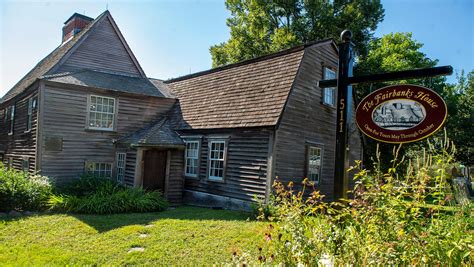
140,168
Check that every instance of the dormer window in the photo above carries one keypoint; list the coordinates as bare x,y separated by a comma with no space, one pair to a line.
101,113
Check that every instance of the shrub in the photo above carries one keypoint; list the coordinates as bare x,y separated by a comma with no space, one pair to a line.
396,217
263,210
92,195
21,191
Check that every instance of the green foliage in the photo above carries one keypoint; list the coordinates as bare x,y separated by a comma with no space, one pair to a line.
399,51
21,191
264,210
91,195
394,219
460,124
259,27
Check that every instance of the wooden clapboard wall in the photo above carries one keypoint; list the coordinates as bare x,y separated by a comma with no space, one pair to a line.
176,180
102,50
306,120
21,145
246,163
65,113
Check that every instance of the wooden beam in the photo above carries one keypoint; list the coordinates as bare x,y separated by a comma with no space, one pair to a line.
139,164
167,173
392,76
270,166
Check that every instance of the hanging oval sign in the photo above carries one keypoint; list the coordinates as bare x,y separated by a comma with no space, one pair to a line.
401,113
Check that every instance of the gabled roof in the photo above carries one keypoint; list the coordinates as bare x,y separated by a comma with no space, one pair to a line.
109,81
159,133
48,64
162,87
251,93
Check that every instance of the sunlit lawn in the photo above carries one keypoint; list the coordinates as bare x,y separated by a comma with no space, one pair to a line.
182,236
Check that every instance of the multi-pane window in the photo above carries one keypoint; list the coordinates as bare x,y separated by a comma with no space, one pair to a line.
31,107
192,158
329,94
314,163
216,160
100,169
10,118
10,162
25,164
101,112
120,166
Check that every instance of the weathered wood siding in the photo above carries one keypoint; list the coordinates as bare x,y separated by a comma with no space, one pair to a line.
307,121
246,164
176,179
103,51
21,144
130,162
65,113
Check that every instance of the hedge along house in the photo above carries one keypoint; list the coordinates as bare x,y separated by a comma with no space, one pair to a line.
217,137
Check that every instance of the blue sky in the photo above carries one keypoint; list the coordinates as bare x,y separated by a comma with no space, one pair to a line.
172,38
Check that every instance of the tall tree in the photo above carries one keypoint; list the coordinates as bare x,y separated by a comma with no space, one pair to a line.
259,27
395,52
399,51
460,123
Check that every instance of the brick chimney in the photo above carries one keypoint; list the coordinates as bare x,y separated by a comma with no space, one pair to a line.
74,25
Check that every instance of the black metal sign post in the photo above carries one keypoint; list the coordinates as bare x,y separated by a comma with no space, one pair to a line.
344,103
344,109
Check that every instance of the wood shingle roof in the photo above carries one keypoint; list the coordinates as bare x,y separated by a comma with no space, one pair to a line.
109,81
47,63
247,94
48,66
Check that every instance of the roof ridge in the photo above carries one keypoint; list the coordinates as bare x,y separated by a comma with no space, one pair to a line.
155,127
71,43
61,74
249,61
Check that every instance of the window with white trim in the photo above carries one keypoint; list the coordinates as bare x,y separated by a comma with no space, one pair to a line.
329,94
25,164
191,157
10,162
99,169
120,167
101,112
313,163
31,107
216,160
11,119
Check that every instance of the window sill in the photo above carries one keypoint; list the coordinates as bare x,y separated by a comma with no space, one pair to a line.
100,130
189,177
328,105
215,180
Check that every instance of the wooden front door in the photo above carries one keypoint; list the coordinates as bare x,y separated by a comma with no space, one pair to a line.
154,170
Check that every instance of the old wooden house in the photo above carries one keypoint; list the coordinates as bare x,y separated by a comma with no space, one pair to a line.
217,137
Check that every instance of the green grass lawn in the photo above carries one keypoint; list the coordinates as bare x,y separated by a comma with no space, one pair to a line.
181,236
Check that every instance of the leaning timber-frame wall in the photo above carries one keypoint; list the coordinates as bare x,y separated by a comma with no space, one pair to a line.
66,143
306,121
20,146
246,162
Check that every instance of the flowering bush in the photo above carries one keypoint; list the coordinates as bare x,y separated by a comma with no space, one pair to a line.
22,191
396,217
